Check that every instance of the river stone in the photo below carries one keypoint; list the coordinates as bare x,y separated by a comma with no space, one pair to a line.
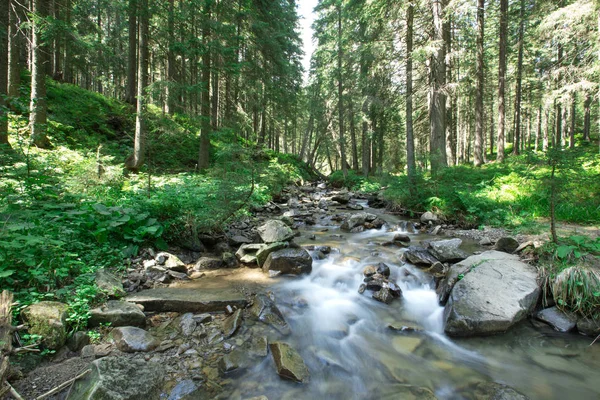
130,339
492,391
289,363
384,295
588,327
171,262
369,270
184,390
232,323
419,256
498,292
507,245
187,324
401,237
447,250
119,378
341,198
117,313
109,283
235,360
275,231
263,253
559,320
356,220
183,300
246,254
294,261
429,217
208,263
265,310
48,319
438,270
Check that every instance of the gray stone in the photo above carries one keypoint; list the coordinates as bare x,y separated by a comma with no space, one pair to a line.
130,339
496,293
187,299
429,217
49,320
265,310
492,391
383,295
275,231
117,313
229,259
356,220
507,245
208,263
294,261
78,341
184,390
232,323
238,240
401,237
289,363
235,360
263,253
109,283
588,326
448,250
559,320
119,378
419,256
486,241
246,254
173,262
187,324
438,270
341,198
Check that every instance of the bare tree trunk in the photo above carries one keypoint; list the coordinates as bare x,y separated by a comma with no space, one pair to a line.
204,153
132,63
4,55
518,91
478,148
538,131
587,120
38,104
170,88
15,44
410,140
353,137
340,56
502,79
573,117
6,330
437,108
57,72
67,62
545,141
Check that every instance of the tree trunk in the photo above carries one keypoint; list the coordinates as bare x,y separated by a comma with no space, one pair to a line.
478,148
57,72
502,78
15,43
353,137
573,117
587,120
410,140
437,107
170,88
38,104
538,131
545,140
6,330
132,63
518,90
67,62
558,139
4,55
204,153
340,55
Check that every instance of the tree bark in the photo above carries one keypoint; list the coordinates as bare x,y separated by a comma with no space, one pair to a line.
573,117
353,137
15,43
410,140
6,333
518,90
67,61
478,148
204,153
587,120
502,79
4,55
38,104
132,64
437,107
170,88
340,55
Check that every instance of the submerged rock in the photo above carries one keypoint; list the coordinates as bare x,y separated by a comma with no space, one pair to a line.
492,391
559,320
289,363
294,261
588,326
497,292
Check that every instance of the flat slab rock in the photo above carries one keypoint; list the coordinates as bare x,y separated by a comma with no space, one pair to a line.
289,363
187,300
559,320
497,292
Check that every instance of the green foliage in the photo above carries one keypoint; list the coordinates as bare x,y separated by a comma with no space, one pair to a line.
355,182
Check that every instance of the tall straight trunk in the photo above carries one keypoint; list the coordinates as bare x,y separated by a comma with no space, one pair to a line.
518,90
410,140
573,116
67,62
558,137
15,44
538,131
478,148
437,107
353,137
502,78
563,131
38,104
56,54
381,150
204,153
450,154
4,55
587,119
170,88
492,127
340,55
132,63
365,142
545,140
139,146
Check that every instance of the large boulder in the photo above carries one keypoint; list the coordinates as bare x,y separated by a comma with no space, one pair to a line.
494,294
292,261
119,378
275,231
428,217
246,254
49,320
130,339
507,245
357,220
447,250
289,363
263,253
117,313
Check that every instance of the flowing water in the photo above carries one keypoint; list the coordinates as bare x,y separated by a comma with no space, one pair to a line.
345,339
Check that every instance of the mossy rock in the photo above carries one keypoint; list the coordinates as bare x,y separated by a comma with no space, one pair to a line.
49,320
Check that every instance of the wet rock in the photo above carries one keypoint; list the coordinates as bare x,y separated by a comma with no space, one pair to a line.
130,339
377,223
429,217
78,341
419,256
235,360
109,283
507,245
341,198
247,253
588,326
447,250
208,263
265,310
258,346
48,319
289,363
438,270
117,313
275,231
383,269
119,378
362,288
229,260
384,295
187,300
559,320
486,241
401,237
492,390
370,270
375,285
263,252
407,392
184,390
356,220
294,261
238,240
497,292
232,323
319,256
356,207
357,229
187,324
172,262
